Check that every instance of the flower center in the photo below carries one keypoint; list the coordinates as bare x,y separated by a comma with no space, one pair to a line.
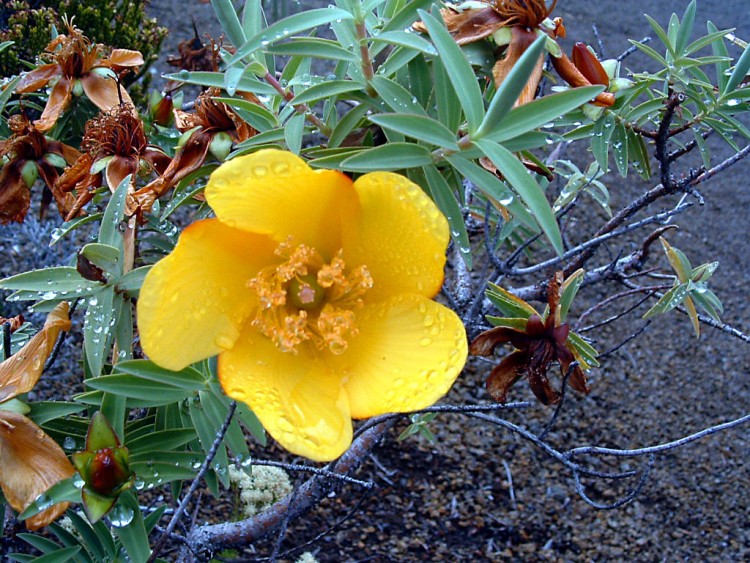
306,299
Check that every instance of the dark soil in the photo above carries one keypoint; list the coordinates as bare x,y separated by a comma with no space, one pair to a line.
481,493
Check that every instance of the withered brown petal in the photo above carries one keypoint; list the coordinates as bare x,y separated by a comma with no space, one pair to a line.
521,40
38,78
118,168
102,91
485,343
505,374
577,379
30,463
469,26
157,158
20,372
73,174
125,58
560,333
68,153
58,102
535,326
540,385
15,196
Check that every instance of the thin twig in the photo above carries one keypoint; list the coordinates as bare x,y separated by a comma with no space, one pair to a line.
196,482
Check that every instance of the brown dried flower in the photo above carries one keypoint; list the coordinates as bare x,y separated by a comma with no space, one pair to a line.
30,155
75,60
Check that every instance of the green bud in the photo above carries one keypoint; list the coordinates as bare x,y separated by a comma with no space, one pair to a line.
221,146
77,88
29,173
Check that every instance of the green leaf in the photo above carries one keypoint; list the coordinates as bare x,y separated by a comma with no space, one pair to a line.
404,39
326,90
161,440
61,556
253,17
508,92
42,544
313,47
446,201
97,329
527,188
216,80
230,23
188,378
133,533
52,283
207,428
109,232
287,27
686,28
251,422
509,304
569,289
668,301
71,225
720,50
131,282
132,387
44,411
585,350
739,73
603,130
677,259
638,154
9,88
619,144
64,491
256,115
294,129
459,70
396,96
539,112
103,256
392,156
419,127
493,188
659,30
703,272
347,124
514,323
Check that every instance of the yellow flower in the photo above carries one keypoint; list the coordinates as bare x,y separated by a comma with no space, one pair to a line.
315,292
30,461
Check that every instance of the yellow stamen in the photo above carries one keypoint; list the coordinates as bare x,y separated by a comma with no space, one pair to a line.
305,299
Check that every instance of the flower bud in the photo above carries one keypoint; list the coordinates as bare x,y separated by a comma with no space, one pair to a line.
587,63
160,109
29,173
77,88
221,146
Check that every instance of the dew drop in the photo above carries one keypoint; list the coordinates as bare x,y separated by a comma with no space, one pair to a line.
120,516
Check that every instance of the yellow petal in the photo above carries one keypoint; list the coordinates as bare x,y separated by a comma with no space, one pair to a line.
399,234
297,397
30,463
20,372
274,192
409,352
194,302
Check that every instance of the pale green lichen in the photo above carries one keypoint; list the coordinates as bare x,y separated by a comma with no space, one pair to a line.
260,487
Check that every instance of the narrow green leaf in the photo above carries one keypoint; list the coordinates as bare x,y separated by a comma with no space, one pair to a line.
719,49
109,232
686,28
739,73
324,90
619,144
508,92
294,129
508,304
163,440
446,201
396,96
216,80
287,27
133,534
131,282
44,411
187,378
569,290
8,90
458,69
530,116
140,389
50,282
668,301
313,47
61,556
63,491
392,156
404,39
230,23
603,130
103,256
418,127
97,329
661,34
347,124
585,350
527,188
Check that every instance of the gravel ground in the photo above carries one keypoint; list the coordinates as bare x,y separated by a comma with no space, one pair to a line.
481,493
